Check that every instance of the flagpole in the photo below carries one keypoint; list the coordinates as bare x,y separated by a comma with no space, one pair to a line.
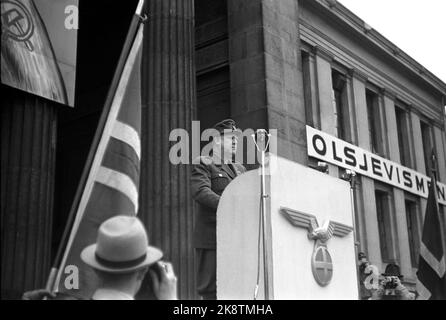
355,240
134,24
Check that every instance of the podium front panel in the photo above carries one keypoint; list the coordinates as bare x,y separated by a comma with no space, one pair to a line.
237,238
290,251
310,192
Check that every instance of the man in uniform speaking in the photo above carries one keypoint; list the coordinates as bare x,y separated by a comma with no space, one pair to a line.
209,179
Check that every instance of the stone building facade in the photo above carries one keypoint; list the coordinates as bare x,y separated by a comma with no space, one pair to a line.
265,63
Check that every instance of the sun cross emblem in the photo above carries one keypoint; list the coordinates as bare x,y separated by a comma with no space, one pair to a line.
321,262
322,265
17,22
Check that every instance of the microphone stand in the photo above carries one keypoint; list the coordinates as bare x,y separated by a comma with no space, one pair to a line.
262,144
350,176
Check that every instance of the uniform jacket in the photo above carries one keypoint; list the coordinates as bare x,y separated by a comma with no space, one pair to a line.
209,180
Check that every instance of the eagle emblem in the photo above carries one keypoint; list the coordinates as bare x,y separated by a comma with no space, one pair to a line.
321,262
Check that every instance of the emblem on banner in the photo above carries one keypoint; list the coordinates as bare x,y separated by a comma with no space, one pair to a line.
321,262
17,22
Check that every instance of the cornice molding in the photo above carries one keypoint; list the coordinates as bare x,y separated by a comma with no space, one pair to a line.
357,24
417,112
331,3
312,34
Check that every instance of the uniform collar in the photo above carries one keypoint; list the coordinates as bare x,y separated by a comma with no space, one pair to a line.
225,166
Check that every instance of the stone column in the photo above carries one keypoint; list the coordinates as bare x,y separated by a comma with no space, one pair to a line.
28,143
440,146
168,97
418,154
402,237
326,97
357,191
417,151
367,218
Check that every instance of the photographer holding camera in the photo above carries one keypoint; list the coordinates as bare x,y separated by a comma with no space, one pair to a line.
368,274
391,288
121,258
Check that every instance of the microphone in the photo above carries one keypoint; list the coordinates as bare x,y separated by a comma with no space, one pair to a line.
261,139
261,134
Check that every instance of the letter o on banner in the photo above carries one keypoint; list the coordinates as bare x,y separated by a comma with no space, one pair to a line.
320,149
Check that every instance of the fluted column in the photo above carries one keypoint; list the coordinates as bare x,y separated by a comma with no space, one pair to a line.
168,95
28,139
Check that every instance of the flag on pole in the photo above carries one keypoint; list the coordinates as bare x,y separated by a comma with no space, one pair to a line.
112,183
431,283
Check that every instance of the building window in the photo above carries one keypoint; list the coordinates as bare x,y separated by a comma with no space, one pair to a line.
426,135
308,97
373,116
403,136
341,105
383,213
413,229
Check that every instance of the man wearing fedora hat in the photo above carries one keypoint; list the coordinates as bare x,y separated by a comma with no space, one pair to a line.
391,288
121,258
209,179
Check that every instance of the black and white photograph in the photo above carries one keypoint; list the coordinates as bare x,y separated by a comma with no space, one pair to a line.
223,154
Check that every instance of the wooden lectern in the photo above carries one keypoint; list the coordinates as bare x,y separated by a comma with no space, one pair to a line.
309,235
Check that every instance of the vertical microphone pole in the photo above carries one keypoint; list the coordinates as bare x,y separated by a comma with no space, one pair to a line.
262,143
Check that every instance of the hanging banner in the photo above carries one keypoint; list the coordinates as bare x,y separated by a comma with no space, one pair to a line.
38,47
338,152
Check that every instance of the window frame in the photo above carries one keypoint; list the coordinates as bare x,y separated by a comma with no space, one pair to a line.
306,60
404,139
427,153
343,112
389,225
375,121
414,234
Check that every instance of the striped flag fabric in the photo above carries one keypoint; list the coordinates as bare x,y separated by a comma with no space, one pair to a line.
431,282
112,184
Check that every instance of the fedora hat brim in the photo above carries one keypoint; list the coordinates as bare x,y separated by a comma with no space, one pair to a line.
392,275
88,256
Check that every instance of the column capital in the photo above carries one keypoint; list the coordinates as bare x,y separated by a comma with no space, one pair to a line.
323,53
412,109
388,93
403,103
359,75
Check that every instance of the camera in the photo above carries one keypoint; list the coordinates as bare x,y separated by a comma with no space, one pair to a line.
390,282
363,265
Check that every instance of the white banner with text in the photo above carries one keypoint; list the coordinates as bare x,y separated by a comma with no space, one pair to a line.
338,152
